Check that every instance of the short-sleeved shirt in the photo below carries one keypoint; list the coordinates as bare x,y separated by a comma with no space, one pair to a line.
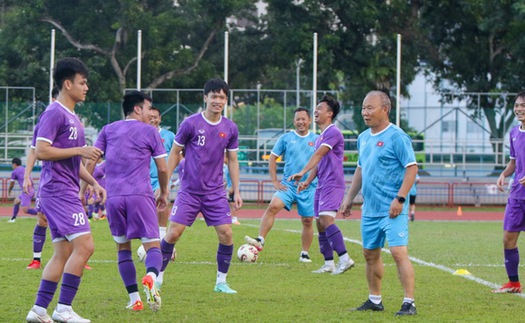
18,175
62,128
128,146
99,174
205,143
167,138
413,189
517,152
383,158
296,151
330,168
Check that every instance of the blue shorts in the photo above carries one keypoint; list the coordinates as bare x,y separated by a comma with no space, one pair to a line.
65,215
304,200
214,207
375,230
514,220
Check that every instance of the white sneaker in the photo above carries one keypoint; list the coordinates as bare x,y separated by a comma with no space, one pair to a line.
343,266
33,317
11,221
304,258
325,269
254,242
68,316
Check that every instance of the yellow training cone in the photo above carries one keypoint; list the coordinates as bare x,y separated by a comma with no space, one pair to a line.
462,272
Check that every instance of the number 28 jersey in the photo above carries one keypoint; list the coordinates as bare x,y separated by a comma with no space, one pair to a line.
62,128
205,144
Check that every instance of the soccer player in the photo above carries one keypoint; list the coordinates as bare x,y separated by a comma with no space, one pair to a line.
204,137
386,170
99,174
24,199
514,219
61,145
327,165
297,147
128,146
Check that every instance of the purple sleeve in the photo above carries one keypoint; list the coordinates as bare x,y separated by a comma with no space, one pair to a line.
157,145
101,140
182,136
48,126
512,151
233,144
331,138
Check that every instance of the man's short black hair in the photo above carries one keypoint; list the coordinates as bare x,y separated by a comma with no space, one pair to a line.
299,109
216,85
67,68
16,161
333,104
132,99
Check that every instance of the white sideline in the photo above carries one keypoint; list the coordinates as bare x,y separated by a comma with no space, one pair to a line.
420,262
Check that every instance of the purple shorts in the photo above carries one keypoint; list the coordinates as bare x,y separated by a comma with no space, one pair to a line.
328,199
214,208
132,216
514,220
25,199
65,214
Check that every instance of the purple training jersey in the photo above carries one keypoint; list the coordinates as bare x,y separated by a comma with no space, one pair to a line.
517,152
205,143
99,174
128,146
18,175
62,128
330,168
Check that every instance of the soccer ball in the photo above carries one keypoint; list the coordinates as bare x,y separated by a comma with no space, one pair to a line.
247,253
141,253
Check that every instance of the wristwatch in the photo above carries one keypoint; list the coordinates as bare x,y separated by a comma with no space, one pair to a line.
400,199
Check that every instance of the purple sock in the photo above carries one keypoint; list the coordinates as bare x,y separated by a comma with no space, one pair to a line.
90,209
154,260
31,211
325,248
224,257
39,237
167,250
45,293
512,261
16,207
69,289
127,270
96,207
335,237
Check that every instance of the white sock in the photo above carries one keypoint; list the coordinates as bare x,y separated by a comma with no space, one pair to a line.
153,275
39,310
304,252
376,299
330,263
160,278
133,297
344,258
37,255
62,308
408,300
162,232
221,277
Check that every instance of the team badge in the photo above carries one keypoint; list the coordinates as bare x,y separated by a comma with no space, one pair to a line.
222,134
310,143
201,130
380,144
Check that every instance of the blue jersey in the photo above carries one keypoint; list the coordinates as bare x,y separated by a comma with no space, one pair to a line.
296,151
413,190
168,138
383,158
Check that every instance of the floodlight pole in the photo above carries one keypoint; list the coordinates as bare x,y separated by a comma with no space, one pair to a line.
398,82
226,53
298,82
314,86
51,66
139,58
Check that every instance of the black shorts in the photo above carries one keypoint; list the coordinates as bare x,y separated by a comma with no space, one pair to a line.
412,199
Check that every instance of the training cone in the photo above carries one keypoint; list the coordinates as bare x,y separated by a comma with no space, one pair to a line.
462,272
460,212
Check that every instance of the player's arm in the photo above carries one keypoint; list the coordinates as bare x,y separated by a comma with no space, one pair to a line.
408,181
85,176
164,177
174,158
272,169
11,185
508,171
233,167
44,151
314,160
304,185
31,159
89,167
355,187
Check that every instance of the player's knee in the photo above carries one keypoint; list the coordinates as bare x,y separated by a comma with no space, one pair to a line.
307,221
